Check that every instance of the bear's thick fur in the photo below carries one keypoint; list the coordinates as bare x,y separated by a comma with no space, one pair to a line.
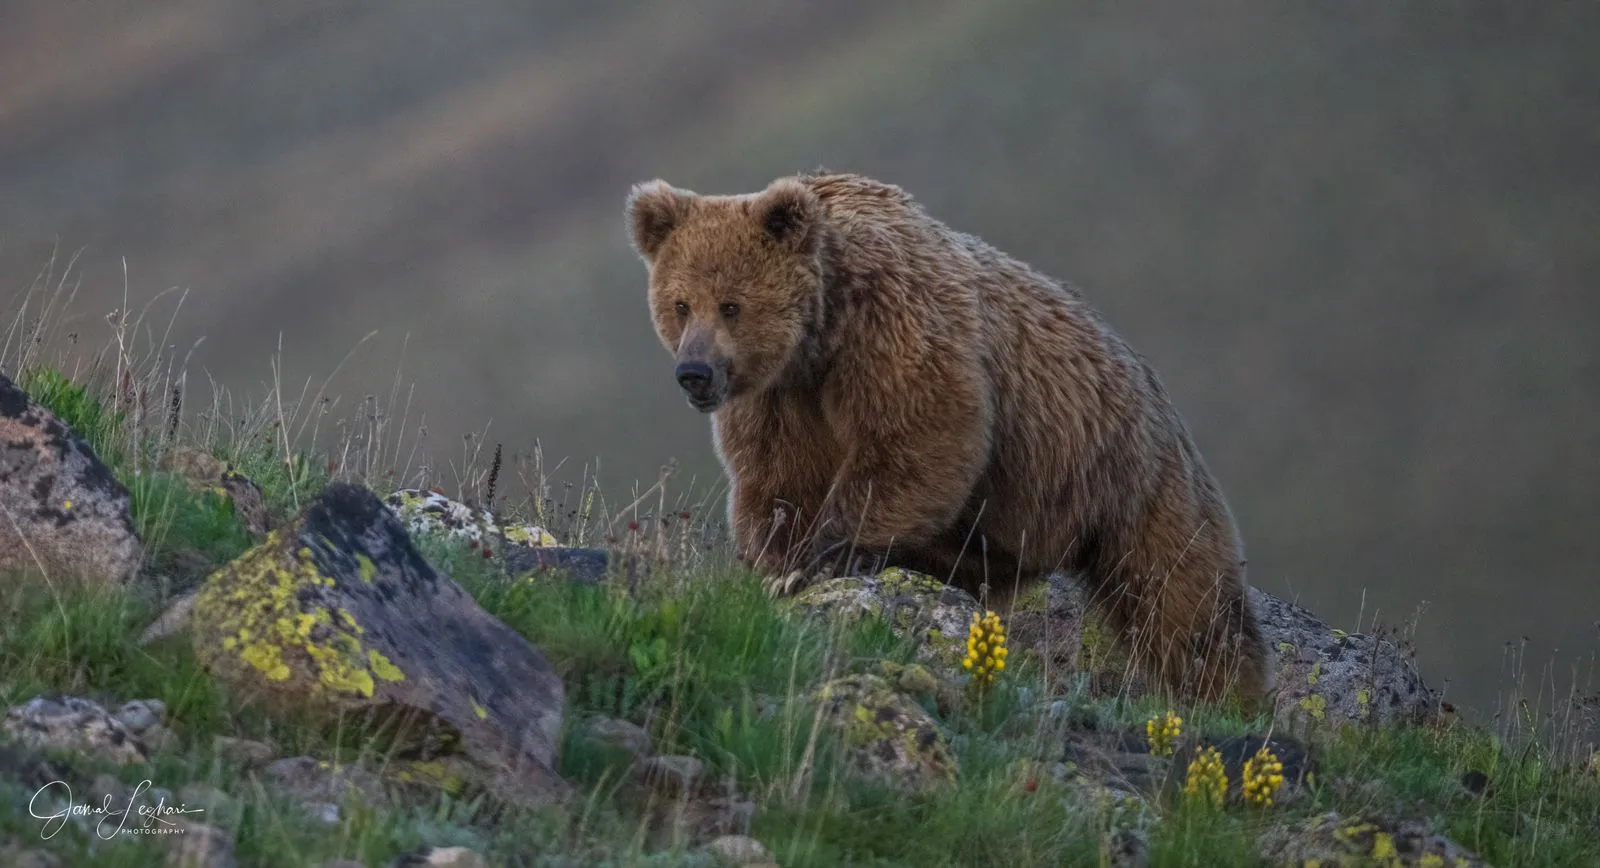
884,385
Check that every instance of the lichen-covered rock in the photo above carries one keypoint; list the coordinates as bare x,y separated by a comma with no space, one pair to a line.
64,512
1330,839
916,605
429,512
337,613
889,738
318,782
1326,675
75,724
1322,674
574,564
202,471
200,846
439,857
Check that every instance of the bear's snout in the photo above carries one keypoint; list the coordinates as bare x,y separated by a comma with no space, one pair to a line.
699,383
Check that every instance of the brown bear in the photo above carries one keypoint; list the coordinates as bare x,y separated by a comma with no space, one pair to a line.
882,385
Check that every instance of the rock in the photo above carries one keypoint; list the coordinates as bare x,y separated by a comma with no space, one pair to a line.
672,776
319,781
889,738
1128,848
142,714
619,735
12,855
326,813
523,549
65,513
1330,676
936,615
739,850
440,857
250,754
1330,839
201,846
429,512
76,724
337,613
203,471
205,798
579,565
173,621
1323,674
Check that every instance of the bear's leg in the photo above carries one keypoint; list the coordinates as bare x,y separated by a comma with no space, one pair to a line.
1176,592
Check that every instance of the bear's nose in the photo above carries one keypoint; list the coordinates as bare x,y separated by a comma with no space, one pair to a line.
694,377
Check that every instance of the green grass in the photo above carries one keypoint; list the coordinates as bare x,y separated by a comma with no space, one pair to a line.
714,669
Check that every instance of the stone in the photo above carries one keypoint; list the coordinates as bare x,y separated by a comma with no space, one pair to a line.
202,471
317,781
1328,676
1323,675
75,724
142,714
440,857
429,512
174,620
250,754
673,776
934,615
206,798
201,846
620,735
326,813
888,737
64,513
1332,839
336,613
738,849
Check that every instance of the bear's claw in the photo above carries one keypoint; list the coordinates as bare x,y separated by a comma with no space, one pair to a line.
785,585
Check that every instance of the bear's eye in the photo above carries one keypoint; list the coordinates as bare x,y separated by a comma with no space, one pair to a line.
682,308
729,310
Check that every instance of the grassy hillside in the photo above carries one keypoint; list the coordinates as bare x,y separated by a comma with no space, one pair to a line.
712,669
1355,243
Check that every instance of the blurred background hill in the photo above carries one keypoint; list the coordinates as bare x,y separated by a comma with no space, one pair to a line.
1359,242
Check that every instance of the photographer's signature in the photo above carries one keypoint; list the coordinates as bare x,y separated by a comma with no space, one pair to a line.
157,819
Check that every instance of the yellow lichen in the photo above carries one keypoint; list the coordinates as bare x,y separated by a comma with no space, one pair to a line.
479,710
528,535
366,568
258,609
1315,675
1383,846
383,667
1315,705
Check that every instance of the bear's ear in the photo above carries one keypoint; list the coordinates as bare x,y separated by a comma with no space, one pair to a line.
788,211
655,208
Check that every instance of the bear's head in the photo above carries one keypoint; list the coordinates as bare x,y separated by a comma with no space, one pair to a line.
735,282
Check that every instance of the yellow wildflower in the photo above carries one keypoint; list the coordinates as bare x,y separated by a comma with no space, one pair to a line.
986,647
1263,776
1207,778
1161,730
